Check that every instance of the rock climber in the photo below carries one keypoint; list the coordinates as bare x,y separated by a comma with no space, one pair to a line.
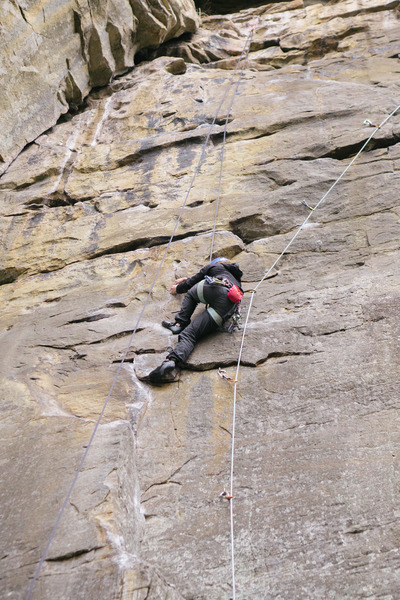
218,285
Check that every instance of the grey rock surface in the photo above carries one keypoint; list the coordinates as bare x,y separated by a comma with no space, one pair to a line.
86,213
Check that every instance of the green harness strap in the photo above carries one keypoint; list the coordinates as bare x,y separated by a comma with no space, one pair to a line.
200,292
212,312
215,316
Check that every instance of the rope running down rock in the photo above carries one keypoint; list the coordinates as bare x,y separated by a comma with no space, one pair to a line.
200,161
312,210
246,54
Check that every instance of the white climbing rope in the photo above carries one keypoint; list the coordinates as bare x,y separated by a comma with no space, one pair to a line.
376,128
231,494
200,161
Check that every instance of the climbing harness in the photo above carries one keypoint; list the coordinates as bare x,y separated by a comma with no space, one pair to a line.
235,315
243,56
219,320
200,291
234,291
215,316
235,294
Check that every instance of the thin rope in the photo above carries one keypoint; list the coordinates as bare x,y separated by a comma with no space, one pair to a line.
43,557
233,450
249,38
376,128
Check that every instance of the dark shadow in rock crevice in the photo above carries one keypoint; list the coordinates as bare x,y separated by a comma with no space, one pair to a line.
229,362
147,242
10,275
74,554
253,227
349,151
169,48
89,319
223,7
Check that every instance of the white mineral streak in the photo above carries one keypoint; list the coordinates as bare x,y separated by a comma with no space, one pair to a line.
106,111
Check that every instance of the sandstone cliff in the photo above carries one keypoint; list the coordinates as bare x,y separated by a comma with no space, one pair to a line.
87,209
53,52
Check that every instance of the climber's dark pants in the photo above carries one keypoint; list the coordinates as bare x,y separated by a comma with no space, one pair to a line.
216,296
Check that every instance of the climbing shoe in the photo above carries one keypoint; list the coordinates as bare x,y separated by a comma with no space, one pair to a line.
164,373
174,327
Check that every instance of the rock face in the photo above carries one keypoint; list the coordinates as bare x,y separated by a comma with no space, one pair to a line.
53,52
87,211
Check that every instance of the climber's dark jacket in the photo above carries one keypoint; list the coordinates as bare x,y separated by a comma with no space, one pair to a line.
230,271
215,295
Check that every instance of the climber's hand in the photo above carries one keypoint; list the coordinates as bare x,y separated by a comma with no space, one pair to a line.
172,289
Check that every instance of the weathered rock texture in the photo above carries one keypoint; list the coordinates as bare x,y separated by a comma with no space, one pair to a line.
52,52
86,211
